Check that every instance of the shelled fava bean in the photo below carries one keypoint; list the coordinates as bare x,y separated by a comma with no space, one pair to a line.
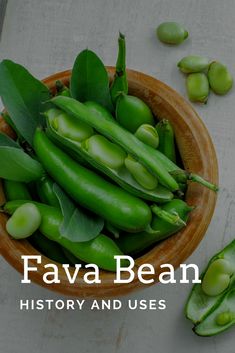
203,75
171,33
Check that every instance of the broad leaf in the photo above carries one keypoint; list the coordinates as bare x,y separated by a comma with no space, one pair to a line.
7,141
23,96
89,80
18,166
77,226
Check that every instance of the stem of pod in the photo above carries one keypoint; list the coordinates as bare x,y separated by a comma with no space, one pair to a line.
181,176
197,179
172,218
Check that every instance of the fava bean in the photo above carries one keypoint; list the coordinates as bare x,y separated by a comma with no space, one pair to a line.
24,221
121,176
217,277
131,112
69,127
100,251
89,189
144,153
219,77
148,134
193,63
197,87
104,151
224,318
141,174
219,319
171,33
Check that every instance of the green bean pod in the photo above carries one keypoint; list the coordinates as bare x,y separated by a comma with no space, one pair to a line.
100,251
121,175
98,110
166,139
132,112
15,190
45,192
135,243
90,190
199,304
220,319
120,136
120,83
48,248
72,259
180,175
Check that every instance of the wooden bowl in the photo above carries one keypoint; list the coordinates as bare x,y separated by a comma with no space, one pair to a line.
198,155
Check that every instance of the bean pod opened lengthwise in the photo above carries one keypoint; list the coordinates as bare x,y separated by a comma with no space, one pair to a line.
120,136
211,304
87,147
166,171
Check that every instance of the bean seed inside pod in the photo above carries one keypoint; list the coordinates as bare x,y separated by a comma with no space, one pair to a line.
69,127
104,151
217,277
171,33
148,134
141,174
224,318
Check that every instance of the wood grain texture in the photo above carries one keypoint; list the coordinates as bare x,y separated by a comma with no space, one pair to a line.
193,140
45,36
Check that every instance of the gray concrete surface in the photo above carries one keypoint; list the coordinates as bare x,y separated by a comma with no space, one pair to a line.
45,36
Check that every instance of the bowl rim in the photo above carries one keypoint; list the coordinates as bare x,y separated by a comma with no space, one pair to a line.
182,243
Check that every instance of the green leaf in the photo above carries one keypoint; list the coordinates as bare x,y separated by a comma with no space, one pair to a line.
89,80
7,141
77,226
23,96
18,166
